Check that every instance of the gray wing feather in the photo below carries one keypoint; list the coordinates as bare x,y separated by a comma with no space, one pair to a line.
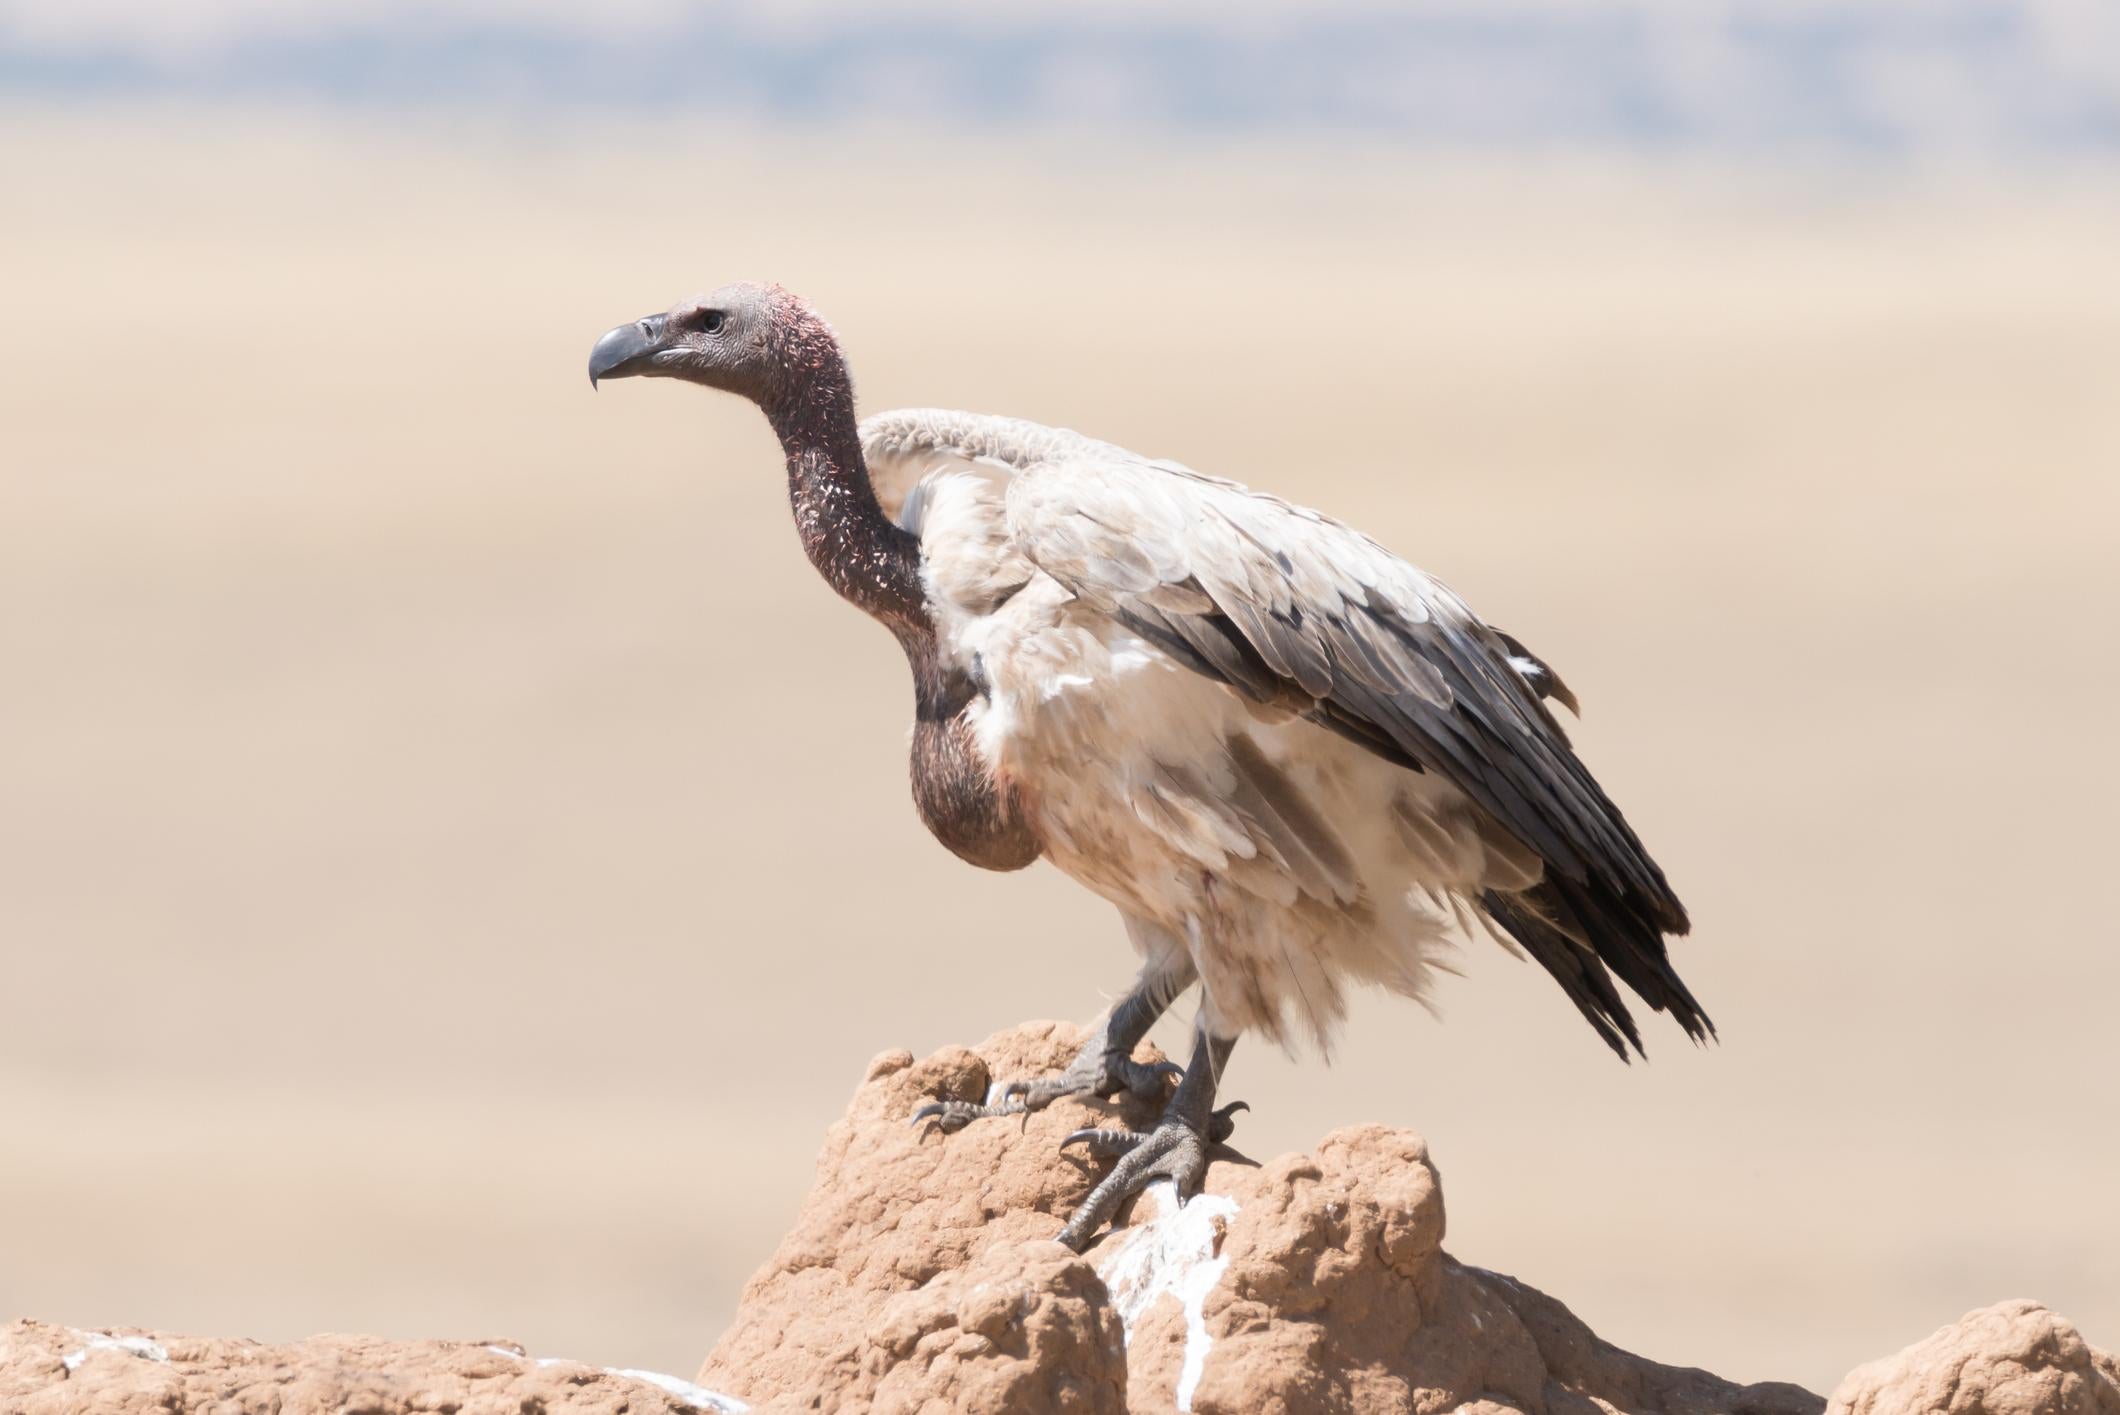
1316,615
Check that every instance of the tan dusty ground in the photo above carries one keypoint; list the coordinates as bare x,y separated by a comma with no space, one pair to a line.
454,858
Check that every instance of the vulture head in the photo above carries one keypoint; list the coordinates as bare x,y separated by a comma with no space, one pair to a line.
757,341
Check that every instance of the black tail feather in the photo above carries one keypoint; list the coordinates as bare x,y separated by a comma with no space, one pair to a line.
1578,931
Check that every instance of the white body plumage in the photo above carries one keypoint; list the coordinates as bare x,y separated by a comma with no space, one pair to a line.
1277,856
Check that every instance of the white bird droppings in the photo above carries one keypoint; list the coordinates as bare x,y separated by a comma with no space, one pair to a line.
103,1341
1176,1252
698,1397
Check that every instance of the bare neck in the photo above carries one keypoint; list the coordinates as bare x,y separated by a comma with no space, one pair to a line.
861,553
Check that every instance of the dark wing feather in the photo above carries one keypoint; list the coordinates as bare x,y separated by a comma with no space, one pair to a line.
1538,673
1573,963
1293,609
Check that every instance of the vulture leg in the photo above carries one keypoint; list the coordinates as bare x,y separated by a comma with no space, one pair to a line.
1175,1150
1103,1068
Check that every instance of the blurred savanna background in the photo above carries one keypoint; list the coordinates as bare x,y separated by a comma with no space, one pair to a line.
455,856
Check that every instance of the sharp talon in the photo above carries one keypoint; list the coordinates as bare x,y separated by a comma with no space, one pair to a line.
952,1116
1147,1080
1109,1142
1223,1123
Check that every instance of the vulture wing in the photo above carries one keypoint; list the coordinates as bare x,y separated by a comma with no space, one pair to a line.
1291,607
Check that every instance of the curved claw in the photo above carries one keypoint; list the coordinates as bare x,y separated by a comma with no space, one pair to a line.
1103,1142
952,1116
1223,1123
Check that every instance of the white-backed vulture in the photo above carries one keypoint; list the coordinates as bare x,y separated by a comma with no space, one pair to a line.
1291,759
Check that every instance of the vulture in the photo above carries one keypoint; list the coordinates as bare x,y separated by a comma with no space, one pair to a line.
1292,760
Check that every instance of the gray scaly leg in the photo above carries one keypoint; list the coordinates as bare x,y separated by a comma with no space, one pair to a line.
1175,1150
1104,1067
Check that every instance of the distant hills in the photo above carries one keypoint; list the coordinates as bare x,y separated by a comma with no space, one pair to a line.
1886,78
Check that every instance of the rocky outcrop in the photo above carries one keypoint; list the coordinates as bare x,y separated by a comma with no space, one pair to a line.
48,1370
922,1276
2014,1358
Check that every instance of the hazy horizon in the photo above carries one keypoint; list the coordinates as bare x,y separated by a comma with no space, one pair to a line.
1989,81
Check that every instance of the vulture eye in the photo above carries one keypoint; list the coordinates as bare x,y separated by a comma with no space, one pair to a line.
711,321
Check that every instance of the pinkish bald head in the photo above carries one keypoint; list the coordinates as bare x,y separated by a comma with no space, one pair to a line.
757,341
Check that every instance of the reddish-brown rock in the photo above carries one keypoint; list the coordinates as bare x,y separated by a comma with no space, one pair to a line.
922,1274
48,1370
2014,1358
922,1268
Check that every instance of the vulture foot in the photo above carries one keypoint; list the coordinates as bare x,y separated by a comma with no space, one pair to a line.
1098,1070
1175,1150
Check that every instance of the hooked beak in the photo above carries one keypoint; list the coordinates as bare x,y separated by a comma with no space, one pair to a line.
627,350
